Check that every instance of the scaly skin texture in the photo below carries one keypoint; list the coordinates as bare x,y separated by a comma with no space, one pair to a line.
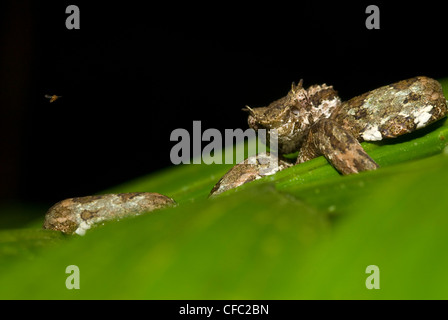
253,168
324,126
339,146
76,215
294,114
314,122
393,110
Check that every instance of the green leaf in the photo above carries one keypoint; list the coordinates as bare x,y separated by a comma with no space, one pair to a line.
306,232
210,249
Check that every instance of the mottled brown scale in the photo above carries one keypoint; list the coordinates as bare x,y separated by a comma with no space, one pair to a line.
253,168
336,131
338,145
393,110
75,215
293,114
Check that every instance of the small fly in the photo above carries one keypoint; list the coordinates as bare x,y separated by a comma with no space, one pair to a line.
52,98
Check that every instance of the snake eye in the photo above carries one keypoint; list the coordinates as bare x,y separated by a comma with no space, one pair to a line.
295,111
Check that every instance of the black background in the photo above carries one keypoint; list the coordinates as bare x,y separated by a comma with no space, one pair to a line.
134,72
